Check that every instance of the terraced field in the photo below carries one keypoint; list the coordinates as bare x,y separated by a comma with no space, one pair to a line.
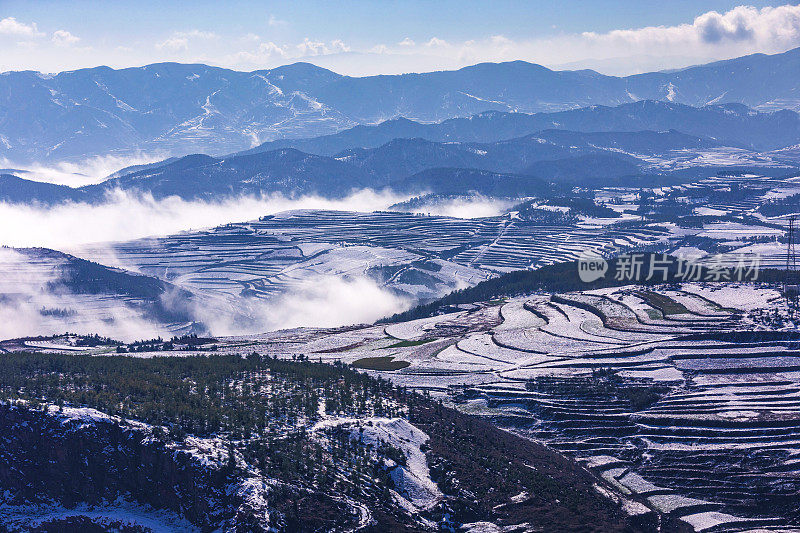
733,227
421,256
424,257
685,399
695,412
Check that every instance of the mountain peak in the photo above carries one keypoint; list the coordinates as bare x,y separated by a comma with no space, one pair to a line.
517,65
301,68
175,109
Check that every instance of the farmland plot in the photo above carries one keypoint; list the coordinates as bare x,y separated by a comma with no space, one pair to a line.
693,413
423,257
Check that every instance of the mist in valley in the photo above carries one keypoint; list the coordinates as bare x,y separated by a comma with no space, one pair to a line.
37,303
127,215
474,206
77,173
322,301
34,301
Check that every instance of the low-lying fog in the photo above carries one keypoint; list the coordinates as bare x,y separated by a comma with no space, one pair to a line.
79,173
477,206
34,301
125,216
31,303
322,301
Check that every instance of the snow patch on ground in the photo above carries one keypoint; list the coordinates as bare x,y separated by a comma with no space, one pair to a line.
119,512
412,480
735,295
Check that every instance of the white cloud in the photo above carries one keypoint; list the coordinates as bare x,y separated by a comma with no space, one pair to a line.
28,295
769,28
64,38
174,43
320,301
85,172
310,48
124,216
179,40
271,49
330,300
476,206
30,306
337,46
435,42
264,54
11,26
500,40
201,34
709,36
317,48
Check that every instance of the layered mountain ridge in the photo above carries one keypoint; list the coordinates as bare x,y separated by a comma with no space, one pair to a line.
636,143
176,109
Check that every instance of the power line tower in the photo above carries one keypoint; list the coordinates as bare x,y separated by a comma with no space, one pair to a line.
790,288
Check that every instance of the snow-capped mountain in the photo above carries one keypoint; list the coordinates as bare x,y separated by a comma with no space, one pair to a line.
176,109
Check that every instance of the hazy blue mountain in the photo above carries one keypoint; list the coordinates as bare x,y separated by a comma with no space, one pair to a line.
435,96
404,157
170,108
287,171
372,136
730,124
18,190
177,109
757,80
641,142
461,181
136,168
584,169
550,155
292,172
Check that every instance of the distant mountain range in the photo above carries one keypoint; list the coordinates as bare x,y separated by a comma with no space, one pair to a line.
535,164
520,166
176,109
729,124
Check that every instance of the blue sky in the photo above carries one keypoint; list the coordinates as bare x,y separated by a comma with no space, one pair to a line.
368,37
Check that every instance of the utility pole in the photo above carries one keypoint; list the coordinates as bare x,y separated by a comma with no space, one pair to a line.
790,288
